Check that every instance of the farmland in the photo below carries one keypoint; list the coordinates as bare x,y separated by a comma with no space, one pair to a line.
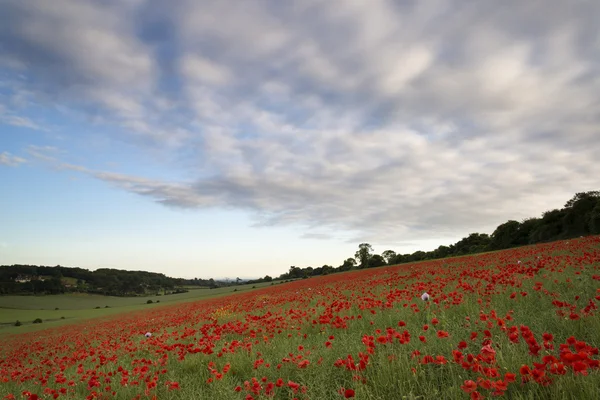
519,324
55,310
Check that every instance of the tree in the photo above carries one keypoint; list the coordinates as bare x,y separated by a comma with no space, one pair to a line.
595,220
376,261
389,256
578,212
441,252
418,255
295,272
593,195
363,254
267,278
504,235
326,269
549,228
348,264
527,226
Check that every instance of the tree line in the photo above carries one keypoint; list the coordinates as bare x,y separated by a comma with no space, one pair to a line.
579,217
34,279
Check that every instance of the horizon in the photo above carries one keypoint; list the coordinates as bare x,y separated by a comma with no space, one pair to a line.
232,139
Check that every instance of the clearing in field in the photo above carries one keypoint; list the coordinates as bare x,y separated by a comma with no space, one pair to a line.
520,324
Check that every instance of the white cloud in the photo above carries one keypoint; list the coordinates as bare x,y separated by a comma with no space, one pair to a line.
393,120
9,160
16,120
202,70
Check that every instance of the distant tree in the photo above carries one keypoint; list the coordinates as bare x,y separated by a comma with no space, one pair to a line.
295,272
504,235
523,235
376,261
578,212
549,228
417,256
267,278
363,254
593,195
594,224
327,269
348,264
441,252
389,256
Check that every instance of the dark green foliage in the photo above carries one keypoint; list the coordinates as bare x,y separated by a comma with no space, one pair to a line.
474,243
32,279
376,261
594,224
149,302
18,323
576,221
504,236
389,256
363,254
37,321
347,265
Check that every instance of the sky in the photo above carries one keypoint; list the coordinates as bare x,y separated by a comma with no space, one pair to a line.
221,138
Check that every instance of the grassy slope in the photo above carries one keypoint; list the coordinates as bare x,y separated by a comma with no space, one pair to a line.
390,374
79,307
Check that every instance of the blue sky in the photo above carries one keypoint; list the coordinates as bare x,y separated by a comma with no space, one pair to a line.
228,138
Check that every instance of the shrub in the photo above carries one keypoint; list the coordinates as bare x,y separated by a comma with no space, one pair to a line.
97,307
62,317
56,309
106,306
149,302
18,323
37,321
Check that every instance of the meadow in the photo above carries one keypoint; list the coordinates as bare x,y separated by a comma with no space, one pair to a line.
58,310
516,324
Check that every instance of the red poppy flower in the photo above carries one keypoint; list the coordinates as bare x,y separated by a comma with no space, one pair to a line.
469,386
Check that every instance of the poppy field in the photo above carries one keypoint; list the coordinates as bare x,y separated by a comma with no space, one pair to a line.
519,324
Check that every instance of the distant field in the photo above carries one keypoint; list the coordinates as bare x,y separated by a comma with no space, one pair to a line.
78,307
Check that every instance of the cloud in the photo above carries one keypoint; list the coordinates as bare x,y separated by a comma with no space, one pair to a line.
395,121
9,160
317,236
196,68
7,117
23,122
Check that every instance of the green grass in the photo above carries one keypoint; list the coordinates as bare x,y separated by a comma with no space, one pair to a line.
80,307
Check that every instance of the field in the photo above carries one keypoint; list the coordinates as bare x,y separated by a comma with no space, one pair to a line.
517,324
57,310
